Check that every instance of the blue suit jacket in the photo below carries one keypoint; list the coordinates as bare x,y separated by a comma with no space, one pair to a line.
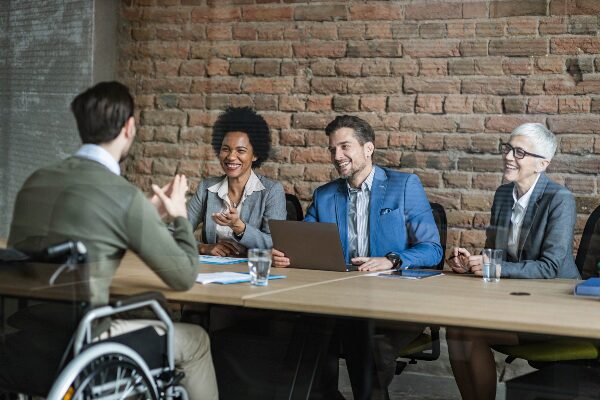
400,218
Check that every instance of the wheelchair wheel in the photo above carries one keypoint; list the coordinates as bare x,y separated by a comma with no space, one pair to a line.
105,371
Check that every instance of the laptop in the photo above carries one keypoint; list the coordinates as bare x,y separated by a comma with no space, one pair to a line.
310,245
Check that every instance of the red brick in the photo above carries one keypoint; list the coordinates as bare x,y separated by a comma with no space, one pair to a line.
320,49
241,67
348,67
580,184
507,123
472,239
169,68
473,48
457,104
163,50
489,66
571,7
459,219
553,26
431,104
481,163
271,32
324,31
568,105
351,31
277,120
217,66
373,103
192,68
461,66
550,64
310,155
427,123
457,180
141,67
431,48
166,85
522,26
457,142
375,67
405,104
346,103
517,66
431,85
202,118
292,103
281,85
377,12
267,50
485,143
486,181
487,104
268,14
210,50
513,8
191,101
470,124
381,140
143,166
375,85
433,30
218,32
461,29
265,102
431,143
140,34
293,172
578,124
197,135
542,105
576,144
311,120
476,202
317,173
165,15
433,67
560,85
404,66
475,10
167,134
434,11
402,140
518,47
575,45
381,30
387,158
216,85
220,14
267,67
244,32
321,12
292,137
405,30
374,48
319,103
490,28
500,86
329,85
534,86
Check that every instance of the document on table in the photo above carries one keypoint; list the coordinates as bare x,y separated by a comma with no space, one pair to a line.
227,278
221,260
409,274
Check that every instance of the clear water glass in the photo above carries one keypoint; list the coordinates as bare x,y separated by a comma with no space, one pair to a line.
492,265
259,266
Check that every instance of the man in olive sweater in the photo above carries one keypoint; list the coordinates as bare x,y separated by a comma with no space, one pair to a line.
85,198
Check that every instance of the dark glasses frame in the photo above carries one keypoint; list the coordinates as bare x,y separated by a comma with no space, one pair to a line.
518,152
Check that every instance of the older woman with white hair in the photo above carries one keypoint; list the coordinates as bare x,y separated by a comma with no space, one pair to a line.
532,220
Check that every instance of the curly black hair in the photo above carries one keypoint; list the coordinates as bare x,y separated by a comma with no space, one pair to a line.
244,119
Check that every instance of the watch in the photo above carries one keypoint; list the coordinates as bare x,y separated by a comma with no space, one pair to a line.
395,259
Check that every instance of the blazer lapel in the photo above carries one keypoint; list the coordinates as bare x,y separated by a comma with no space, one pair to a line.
532,209
503,223
213,205
378,189
341,215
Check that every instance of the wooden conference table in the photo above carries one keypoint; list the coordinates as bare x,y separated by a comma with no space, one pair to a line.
516,305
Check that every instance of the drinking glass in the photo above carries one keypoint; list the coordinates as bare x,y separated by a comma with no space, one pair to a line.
259,265
492,265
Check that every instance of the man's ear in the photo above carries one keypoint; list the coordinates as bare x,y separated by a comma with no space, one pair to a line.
369,149
129,128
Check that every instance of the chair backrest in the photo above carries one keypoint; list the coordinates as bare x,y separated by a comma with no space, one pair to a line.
439,215
294,209
588,254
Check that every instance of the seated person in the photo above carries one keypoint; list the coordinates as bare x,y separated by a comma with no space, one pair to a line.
385,222
84,198
532,220
235,209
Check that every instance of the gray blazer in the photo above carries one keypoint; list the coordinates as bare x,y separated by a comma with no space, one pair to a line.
546,241
258,209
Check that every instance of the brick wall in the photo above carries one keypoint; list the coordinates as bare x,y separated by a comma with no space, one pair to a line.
441,82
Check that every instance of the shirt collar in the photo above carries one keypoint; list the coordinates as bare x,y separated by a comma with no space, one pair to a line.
524,200
97,153
253,185
366,185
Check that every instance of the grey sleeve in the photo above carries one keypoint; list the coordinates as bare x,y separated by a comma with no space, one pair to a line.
274,209
195,206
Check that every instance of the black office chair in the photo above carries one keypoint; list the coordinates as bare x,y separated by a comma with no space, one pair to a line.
294,208
426,347
543,353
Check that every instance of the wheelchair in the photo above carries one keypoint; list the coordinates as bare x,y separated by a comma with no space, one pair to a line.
50,345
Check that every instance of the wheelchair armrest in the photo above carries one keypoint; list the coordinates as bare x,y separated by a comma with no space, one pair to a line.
124,301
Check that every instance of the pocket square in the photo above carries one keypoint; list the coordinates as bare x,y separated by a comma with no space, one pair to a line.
384,211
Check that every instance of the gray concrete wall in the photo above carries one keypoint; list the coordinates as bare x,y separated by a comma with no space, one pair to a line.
49,52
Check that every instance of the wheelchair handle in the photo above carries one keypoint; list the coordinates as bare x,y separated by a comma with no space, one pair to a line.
69,248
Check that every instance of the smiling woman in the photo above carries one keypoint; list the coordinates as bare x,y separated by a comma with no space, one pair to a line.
235,208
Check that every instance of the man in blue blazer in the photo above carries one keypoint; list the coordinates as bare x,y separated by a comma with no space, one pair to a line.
385,222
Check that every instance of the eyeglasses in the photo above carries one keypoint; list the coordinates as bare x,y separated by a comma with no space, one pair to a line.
518,152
